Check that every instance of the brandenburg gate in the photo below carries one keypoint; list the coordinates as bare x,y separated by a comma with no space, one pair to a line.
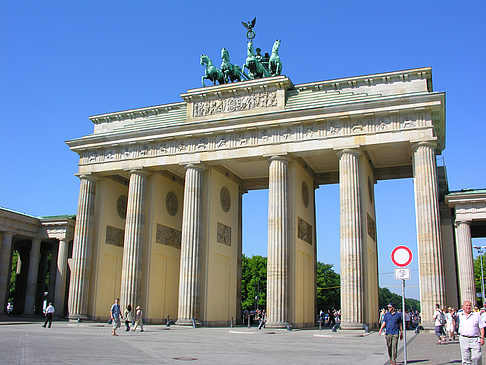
159,216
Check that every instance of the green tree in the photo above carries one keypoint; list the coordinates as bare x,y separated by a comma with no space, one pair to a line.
477,274
13,276
253,278
385,296
328,285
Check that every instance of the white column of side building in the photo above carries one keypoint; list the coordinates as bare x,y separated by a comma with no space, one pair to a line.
31,289
277,266
351,241
61,274
82,247
431,271
465,262
133,243
5,253
190,246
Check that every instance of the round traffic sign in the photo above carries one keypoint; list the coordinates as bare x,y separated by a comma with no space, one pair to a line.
401,256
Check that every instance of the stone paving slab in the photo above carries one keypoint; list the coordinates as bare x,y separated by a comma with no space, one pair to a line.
92,343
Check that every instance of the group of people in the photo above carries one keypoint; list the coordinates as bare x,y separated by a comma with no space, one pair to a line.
330,317
468,323
116,317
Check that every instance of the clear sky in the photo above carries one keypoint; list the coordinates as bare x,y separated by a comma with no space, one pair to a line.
62,61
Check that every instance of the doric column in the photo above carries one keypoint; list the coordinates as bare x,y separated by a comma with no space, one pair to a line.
82,247
277,266
431,274
465,262
61,273
31,290
191,241
239,252
5,254
133,242
351,241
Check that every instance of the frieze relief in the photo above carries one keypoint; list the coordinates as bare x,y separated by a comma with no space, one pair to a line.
168,236
224,234
235,104
330,128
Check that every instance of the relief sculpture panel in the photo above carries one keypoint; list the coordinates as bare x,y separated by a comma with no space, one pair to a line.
168,236
235,104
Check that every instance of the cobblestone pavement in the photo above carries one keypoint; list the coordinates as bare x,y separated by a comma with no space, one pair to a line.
89,343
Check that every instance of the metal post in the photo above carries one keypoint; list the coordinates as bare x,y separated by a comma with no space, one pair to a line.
482,275
403,324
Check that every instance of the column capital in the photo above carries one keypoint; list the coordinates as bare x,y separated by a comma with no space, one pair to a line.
355,151
426,143
242,190
138,171
460,221
90,177
284,157
194,165
7,234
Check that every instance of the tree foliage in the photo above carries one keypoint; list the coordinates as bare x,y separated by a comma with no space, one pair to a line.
477,274
328,285
253,280
13,276
385,296
254,276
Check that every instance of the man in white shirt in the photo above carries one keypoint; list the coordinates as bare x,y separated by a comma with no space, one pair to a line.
49,313
471,331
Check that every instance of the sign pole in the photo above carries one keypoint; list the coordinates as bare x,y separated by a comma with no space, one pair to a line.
404,325
402,256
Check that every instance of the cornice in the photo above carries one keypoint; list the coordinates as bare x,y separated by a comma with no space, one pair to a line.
467,197
135,113
424,73
427,101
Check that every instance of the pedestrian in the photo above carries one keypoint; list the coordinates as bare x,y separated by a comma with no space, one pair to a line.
138,319
49,312
471,334
392,323
439,318
450,325
115,315
332,318
128,316
263,319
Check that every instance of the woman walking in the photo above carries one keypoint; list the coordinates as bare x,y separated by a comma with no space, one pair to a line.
128,316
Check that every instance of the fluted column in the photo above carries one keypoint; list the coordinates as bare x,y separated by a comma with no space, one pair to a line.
61,273
465,262
190,246
133,242
277,266
351,241
431,274
5,254
31,290
82,247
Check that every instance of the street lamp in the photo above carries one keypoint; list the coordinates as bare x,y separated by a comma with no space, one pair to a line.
480,252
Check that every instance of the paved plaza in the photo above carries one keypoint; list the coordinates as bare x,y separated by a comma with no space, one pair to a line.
91,343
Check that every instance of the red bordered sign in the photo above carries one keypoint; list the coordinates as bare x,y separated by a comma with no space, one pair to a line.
401,256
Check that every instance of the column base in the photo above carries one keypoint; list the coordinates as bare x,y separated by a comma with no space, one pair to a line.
352,326
77,318
278,325
428,325
187,322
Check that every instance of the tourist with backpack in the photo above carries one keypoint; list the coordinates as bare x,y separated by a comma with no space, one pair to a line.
440,321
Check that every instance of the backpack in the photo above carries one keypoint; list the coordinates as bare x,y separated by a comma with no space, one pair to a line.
442,318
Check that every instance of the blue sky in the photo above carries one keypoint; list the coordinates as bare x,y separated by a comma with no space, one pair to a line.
62,61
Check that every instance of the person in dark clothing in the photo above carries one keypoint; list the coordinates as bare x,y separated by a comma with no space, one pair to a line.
332,320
